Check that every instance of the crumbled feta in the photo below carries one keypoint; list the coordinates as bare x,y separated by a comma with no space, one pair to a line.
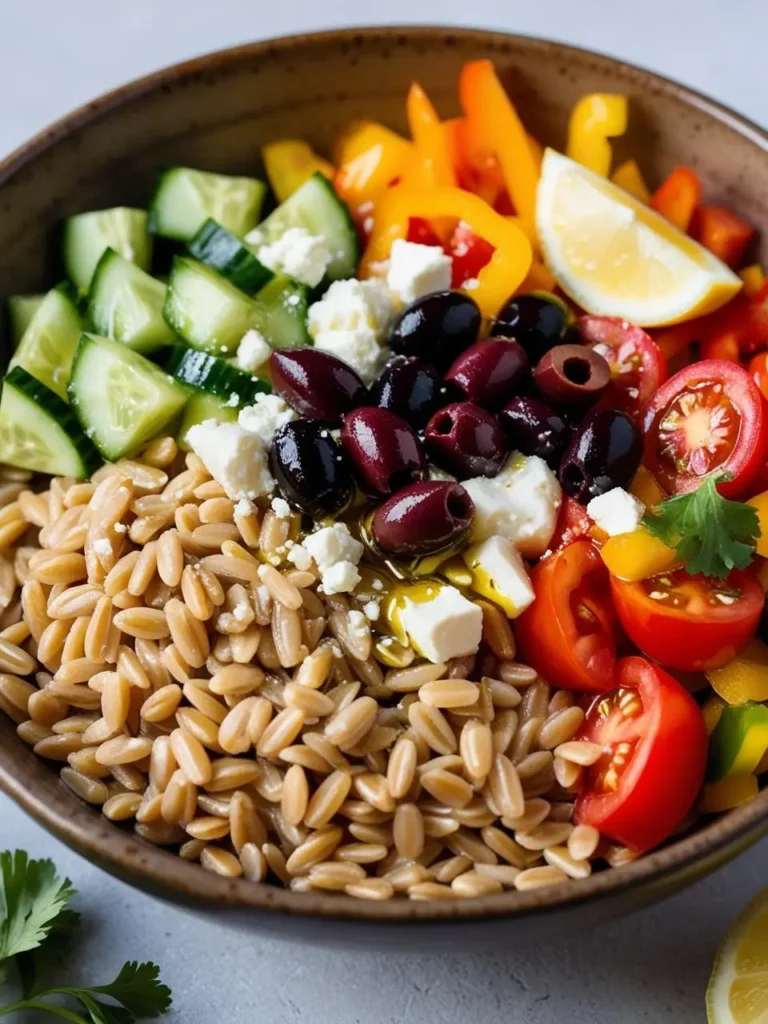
253,351
351,304
281,508
300,557
416,270
359,349
470,284
120,528
372,609
616,511
297,253
435,473
244,508
520,503
447,626
336,553
102,546
358,624
499,573
264,418
377,584
235,458
243,612
233,401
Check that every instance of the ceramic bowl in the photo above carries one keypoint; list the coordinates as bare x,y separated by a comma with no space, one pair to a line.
216,112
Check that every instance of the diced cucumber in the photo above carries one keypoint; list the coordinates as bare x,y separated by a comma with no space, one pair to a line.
316,207
206,310
220,249
201,407
284,306
87,235
126,304
121,399
48,345
205,372
21,309
39,431
185,199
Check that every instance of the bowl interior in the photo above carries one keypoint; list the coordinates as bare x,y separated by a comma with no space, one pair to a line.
215,113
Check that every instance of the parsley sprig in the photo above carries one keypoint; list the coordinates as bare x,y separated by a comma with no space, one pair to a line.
36,925
711,534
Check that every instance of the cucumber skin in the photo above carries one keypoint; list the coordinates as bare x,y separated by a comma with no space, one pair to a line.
206,374
218,248
157,221
21,309
141,247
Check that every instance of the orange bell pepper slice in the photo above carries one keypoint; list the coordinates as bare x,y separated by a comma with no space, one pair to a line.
477,169
753,277
498,127
596,118
370,158
289,163
512,255
722,232
678,196
433,156
629,177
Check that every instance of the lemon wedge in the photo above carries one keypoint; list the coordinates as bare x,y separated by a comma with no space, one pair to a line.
615,256
738,988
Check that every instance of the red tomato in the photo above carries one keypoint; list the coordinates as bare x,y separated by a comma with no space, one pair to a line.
573,523
758,371
654,745
691,623
567,633
724,345
744,320
709,416
638,366
722,232
422,232
470,254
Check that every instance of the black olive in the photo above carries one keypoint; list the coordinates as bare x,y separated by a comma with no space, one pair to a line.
466,440
572,375
411,388
602,454
436,328
422,518
317,384
383,449
310,468
533,427
490,372
536,321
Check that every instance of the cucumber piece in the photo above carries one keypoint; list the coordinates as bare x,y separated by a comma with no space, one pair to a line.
220,249
201,407
87,235
185,199
126,304
206,310
207,373
48,345
21,309
284,305
316,207
39,431
121,399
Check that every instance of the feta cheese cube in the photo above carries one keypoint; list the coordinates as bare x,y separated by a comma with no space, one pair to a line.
372,610
235,458
520,503
336,554
359,349
298,254
416,270
267,414
446,626
349,305
499,573
244,507
616,511
253,351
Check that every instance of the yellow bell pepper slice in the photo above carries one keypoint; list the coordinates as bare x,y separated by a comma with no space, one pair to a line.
289,163
596,118
753,277
745,677
370,158
629,177
638,555
712,709
434,165
646,487
739,741
511,259
760,503
722,796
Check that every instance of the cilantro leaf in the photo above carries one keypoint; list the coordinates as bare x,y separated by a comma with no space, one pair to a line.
35,962
711,534
139,989
32,897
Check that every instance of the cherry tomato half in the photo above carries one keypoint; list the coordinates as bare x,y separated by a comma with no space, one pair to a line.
567,633
709,416
470,254
638,366
687,622
573,523
655,753
758,371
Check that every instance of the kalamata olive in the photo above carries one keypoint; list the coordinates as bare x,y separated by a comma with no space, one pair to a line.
490,372
572,375
422,518
436,327
383,449
537,321
310,468
411,388
316,384
465,440
603,453
533,427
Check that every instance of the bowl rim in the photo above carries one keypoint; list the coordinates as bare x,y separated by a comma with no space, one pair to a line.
123,854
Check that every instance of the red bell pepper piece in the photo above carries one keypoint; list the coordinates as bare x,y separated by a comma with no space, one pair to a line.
722,232
470,254
678,196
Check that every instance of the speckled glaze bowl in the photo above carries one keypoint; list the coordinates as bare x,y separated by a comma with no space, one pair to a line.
216,112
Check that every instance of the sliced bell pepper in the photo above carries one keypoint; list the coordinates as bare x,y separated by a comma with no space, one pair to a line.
477,168
744,677
722,346
539,279
760,502
678,196
470,254
712,709
738,742
646,487
638,555
433,165
753,277
745,320
731,792
289,163
629,177
422,232
370,158
498,128
722,232
508,265
596,118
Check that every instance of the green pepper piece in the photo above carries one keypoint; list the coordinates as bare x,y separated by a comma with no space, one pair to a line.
739,741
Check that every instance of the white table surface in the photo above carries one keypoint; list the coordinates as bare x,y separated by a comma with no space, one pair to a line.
650,967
